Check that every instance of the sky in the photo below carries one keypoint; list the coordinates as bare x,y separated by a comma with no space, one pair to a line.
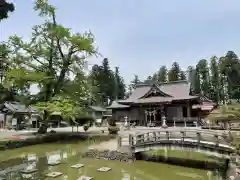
139,36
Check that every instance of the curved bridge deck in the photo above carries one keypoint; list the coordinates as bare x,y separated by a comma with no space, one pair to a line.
193,140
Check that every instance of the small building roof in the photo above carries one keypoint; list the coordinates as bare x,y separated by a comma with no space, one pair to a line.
116,105
98,108
17,107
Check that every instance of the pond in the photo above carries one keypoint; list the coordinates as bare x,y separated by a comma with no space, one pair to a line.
38,157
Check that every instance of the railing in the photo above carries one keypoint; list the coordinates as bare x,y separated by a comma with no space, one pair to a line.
199,136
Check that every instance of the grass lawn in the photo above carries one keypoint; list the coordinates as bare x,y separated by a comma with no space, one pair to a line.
184,154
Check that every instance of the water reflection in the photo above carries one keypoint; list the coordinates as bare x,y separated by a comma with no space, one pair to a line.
12,168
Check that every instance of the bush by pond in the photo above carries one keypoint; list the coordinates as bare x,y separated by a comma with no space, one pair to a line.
113,129
52,137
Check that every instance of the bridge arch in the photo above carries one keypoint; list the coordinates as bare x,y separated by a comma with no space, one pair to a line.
205,141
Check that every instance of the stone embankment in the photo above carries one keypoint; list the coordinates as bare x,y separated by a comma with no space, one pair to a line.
110,155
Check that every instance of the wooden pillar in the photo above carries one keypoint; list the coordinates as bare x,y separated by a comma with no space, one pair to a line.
130,140
119,141
185,123
146,115
188,110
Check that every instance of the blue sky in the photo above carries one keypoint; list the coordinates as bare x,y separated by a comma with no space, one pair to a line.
141,35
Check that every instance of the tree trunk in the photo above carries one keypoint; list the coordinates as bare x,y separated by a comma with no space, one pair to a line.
43,128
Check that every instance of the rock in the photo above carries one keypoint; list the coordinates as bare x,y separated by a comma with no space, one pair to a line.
28,171
104,169
77,166
54,174
53,163
85,178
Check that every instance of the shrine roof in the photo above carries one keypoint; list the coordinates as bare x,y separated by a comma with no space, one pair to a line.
176,90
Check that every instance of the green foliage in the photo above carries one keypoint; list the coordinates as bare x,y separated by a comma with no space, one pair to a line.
107,84
174,72
113,129
203,72
111,121
215,79
119,85
86,127
49,57
225,113
161,75
83,119
5,7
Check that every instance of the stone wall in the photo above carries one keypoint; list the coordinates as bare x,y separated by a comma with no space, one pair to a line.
110,155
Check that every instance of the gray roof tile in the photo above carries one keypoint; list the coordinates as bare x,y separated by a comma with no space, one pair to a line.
97,108
178,90
116,105
19,108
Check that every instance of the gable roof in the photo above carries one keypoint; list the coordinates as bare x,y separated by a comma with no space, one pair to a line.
97,108
16,107
116,105
176,88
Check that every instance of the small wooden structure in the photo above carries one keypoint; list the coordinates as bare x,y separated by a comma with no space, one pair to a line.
15,114
165,104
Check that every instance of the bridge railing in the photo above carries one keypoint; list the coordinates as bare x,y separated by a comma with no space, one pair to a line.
186,135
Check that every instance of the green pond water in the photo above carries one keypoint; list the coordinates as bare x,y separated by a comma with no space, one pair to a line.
38,157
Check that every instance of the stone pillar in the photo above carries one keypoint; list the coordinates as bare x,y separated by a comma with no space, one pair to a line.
146,115
216,139
154,136
167,135
198,137
183,135
164,125
174,122
185,123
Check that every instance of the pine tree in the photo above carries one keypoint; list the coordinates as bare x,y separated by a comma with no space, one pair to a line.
174,73
203,71
162,74
182,76
5,7
119,86
215,80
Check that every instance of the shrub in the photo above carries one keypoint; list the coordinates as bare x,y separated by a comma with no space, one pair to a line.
84,119
113,129
86,127
111,122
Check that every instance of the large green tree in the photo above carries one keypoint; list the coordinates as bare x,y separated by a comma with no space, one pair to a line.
230,68
215,79
174,72
50,58
119,86
203,71
162,74
5,8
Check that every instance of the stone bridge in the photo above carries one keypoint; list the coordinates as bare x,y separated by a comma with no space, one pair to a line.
211,142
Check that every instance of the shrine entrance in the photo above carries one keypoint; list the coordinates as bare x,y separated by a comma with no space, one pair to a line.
153,116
